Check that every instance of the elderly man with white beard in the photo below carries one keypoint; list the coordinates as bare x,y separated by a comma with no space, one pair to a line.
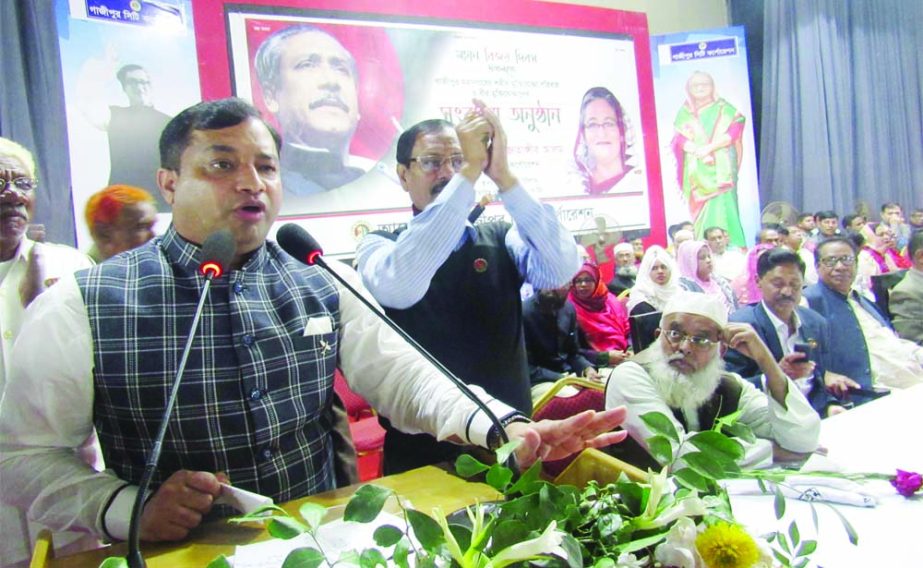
682,376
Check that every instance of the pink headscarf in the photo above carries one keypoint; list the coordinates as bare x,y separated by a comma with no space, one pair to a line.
687,260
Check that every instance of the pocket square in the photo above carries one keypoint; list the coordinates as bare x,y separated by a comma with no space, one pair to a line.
318,326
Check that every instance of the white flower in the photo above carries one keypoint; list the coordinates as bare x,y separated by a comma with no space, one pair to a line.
549,542
688,507
659,486
628,560
766,560
679,547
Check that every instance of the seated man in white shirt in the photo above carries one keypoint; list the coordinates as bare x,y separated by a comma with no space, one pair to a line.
682,376
729,262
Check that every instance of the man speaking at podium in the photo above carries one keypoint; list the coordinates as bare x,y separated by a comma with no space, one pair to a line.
101,350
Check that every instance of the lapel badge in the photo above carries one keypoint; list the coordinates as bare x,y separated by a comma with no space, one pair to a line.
480,265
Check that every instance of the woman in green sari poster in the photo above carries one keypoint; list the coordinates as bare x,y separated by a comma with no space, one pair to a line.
707,146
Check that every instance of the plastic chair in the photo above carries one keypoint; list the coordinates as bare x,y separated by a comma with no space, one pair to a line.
592,464
590,396
43,551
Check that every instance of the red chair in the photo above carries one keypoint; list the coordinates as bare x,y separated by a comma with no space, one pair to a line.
368,435
590,396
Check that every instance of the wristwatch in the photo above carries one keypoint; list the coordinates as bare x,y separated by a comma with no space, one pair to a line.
494,441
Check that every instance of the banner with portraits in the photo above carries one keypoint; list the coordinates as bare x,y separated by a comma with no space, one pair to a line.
573,94
128,68
705,128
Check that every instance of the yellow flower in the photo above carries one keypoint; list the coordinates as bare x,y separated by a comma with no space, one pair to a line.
723,545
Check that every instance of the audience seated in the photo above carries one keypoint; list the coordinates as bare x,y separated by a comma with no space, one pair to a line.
827,225
729,262
678,233
796,242
549,322
916,219
693,259
771,234
682,377
883,250
657,282
120,218
866,348
906,299
27,269
602,318
808,226
893,216
625,269
782,324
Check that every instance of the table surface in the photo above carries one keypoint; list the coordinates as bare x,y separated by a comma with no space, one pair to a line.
880,436
421,489
877,437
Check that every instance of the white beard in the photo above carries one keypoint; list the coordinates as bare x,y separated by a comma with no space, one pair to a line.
687,392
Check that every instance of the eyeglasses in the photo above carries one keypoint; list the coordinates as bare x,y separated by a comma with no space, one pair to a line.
595,127
432,164
830,261
22,185
677,337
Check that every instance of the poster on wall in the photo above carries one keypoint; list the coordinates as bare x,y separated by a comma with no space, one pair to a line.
705,128
341,87
128,67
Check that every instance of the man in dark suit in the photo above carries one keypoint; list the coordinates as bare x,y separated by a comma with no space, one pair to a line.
797,337
866,346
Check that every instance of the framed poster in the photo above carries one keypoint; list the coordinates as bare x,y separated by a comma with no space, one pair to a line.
341,81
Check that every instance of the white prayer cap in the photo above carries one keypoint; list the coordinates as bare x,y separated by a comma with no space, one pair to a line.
698,304
623,247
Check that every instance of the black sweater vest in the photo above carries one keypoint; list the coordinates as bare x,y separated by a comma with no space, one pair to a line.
471,320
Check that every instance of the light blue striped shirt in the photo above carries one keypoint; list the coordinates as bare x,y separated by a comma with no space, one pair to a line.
398,272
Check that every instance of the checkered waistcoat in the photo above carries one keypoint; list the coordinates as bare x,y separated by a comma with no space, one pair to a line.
255,396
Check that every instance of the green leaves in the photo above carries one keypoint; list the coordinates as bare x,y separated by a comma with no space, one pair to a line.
387,535
661,425
220,562
427,531
711,441
120,562
285,528
367,503
313,514
467,466
304,557
661,449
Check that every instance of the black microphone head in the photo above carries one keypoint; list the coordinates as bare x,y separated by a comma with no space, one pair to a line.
217,253
299,243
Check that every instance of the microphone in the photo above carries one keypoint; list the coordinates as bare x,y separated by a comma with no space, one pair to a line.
217,253
297,242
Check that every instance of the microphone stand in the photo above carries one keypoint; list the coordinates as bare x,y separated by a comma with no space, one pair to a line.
134,557
314,257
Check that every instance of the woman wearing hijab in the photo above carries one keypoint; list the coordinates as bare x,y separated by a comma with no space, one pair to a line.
602,319
693,258
656,283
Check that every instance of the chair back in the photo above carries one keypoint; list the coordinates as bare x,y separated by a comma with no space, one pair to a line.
881,287
590,396
637,324
356,406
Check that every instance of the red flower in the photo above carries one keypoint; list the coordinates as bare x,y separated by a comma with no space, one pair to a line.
907,482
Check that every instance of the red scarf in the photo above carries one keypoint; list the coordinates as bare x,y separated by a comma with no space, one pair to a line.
602,317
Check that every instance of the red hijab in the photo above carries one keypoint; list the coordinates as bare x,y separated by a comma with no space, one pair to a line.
602,317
